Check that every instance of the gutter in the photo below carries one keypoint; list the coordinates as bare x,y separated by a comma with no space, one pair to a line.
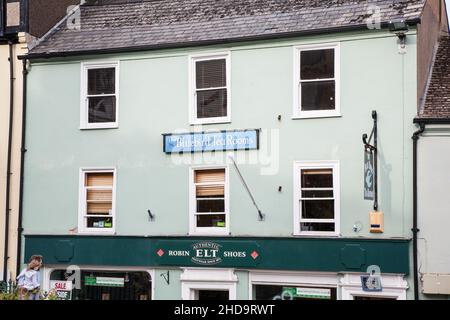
189,44
432,120
22,161
8,165
422,122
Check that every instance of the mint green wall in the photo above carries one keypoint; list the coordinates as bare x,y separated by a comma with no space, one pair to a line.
164,291
154,100
434,177
242,292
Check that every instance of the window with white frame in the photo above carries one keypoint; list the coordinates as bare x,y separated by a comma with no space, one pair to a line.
97,201
209,201
99,105
316,198
317,85
210,83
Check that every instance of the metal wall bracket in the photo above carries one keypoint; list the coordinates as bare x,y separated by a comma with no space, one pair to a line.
166,277
373,148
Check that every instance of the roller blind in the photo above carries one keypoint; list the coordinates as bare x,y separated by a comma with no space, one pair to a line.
99,179
316,172
210,176
99,208
211,74
99,201
214,180
212,94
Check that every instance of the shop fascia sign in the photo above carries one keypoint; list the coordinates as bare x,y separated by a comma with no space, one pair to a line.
233,140
207,253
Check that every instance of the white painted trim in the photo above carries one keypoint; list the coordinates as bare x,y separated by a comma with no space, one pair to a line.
296,110
298,165
193,279
84,112
48,269
394,287
193,230
193,120
82,203
304,279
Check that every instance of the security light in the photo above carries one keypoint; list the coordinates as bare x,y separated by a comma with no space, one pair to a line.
400,28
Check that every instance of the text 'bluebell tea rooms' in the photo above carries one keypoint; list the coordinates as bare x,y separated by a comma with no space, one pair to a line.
211,141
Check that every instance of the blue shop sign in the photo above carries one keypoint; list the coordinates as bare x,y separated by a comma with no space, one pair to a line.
212,141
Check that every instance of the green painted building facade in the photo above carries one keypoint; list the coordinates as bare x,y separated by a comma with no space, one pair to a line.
154,99
116,208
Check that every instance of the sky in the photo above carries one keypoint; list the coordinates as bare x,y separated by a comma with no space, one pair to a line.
448,7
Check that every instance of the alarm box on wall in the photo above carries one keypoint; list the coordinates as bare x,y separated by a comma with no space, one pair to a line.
376,222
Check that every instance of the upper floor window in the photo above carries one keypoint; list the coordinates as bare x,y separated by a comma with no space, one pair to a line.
209,201
13,12
316,198
317,85
97,201
99,105
210,89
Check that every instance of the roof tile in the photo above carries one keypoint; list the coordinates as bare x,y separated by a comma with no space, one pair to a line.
437,102
117,24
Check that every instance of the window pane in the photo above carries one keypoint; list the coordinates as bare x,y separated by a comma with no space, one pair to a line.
102,109
96,208
318,209
99,179
317,194
319,95
212,206
317,64
102,223
212,103
325,227
101,81
137,285
317,178
211,221
211,74
211,191
210,176
99,195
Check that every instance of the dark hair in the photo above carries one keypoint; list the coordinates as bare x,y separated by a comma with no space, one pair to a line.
36,257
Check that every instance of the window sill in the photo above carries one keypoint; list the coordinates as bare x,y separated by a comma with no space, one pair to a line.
99,127
317,235
316,116
210,121
96,233
209,234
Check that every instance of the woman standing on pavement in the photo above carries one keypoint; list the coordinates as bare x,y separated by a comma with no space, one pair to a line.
28,280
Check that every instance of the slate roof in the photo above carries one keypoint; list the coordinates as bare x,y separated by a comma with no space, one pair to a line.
437,102
121,24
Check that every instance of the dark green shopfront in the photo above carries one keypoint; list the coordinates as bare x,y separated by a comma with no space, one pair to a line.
144,268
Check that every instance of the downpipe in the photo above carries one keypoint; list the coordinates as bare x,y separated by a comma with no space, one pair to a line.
22,161
415,230
8,165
